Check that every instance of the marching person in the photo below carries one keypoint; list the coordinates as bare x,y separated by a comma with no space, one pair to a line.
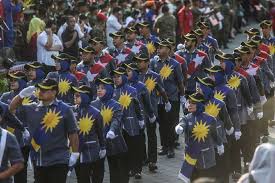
11,158
132,42
17,83
171,74
200,131
155,87
88,59
64,78
116,148
34,73
121,53
132,120
51,124
92,149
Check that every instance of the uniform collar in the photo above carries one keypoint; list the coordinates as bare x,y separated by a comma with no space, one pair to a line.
55,103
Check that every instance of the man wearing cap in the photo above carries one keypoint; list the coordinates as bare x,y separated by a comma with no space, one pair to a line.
251,72
34,73
147,38
51,124
200,44
132,120
171,74
102,55
87,56
154,85
132,42
121,53
266,27
17,83
217,109
200,144
64,78
208,40
255,32
92,147
80,76
196,62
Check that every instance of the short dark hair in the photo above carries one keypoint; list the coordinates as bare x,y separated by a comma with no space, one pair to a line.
165,9
116,9
50,23
186,2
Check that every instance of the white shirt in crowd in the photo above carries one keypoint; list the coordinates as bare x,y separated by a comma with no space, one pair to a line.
43,55
112,25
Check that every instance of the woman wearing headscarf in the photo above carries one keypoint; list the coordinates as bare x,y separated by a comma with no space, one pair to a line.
262,166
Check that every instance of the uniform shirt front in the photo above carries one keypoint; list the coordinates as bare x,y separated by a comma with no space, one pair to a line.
170,72
12,154
57,121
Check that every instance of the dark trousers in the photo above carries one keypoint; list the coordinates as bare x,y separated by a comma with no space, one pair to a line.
21,177
254,137
151,142
135,146
118,167
90,172
167,123
222,169
268,110
53,174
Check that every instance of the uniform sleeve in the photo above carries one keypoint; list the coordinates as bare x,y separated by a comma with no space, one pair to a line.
232,108
138,108
116,120
70,122
224,116
246,92
13,150
178,73
160,85
42,40
213,130
267,71
254,90
99,130
147,102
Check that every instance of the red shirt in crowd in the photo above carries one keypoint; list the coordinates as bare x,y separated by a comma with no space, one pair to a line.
185,18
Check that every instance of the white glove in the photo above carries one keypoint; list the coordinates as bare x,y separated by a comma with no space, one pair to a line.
272,84
249,110
168,106
179,129
263,100
102,153
238,135
141,123
260,115
230,131
27,92
220,149
156,58
180,47
152,119
186,105
110,135
26,134
73,158
182,100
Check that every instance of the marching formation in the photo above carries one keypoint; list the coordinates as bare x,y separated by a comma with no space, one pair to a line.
106,107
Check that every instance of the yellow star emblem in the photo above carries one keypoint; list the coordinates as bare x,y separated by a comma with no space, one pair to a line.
125,100
85,124
234,82
107,115
151,48
63,87
212,109
27,101
51,119
200,131
165,71
150,84
271,49
219,95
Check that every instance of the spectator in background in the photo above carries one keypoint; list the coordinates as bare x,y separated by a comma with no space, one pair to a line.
99,28
113,25
36,26
196,11
70,38
150,13
9,10
48,44
185,18
262,166
165,25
